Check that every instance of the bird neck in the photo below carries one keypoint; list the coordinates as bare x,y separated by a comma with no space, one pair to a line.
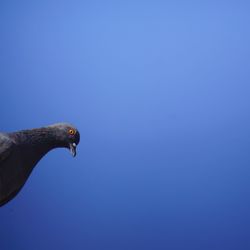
42,138
34,144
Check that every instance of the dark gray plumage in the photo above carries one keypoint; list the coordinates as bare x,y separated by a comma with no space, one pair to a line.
20,152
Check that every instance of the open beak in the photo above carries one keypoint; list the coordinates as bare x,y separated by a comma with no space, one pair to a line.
72,148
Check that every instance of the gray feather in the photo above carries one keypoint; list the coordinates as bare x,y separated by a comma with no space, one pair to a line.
6,145
21,151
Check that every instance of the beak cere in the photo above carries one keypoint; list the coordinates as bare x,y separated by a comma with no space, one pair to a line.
72,148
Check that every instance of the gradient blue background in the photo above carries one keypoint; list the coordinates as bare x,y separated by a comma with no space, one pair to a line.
160,93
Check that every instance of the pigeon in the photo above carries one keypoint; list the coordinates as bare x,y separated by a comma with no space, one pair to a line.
20,152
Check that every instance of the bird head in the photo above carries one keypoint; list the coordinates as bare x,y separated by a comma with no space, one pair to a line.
67,135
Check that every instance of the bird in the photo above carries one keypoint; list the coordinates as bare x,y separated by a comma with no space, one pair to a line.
20,152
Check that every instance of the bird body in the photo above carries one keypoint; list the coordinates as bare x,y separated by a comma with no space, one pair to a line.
20,152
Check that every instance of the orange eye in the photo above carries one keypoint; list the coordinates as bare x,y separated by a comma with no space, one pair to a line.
72,132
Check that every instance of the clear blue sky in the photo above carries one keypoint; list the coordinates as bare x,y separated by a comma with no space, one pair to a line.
160,91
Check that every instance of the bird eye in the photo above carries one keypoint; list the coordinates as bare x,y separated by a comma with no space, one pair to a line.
72,131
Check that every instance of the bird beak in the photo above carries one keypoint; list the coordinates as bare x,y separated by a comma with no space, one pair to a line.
72,148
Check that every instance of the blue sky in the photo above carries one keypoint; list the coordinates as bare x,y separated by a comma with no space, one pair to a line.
160,93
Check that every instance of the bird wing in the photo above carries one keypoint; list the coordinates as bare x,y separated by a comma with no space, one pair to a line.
6,145
8,169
